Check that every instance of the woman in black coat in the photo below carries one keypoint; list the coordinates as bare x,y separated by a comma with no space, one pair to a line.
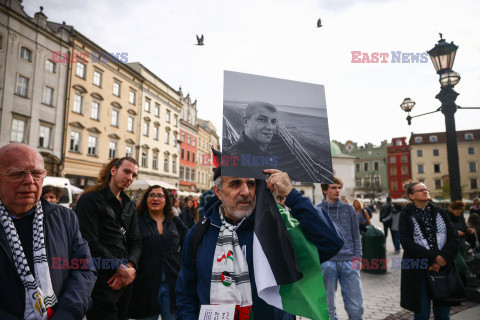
162,235
429,242
189,213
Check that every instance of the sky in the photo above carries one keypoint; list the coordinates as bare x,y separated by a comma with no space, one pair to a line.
279,38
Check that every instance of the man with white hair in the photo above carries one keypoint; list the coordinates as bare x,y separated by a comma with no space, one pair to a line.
45,266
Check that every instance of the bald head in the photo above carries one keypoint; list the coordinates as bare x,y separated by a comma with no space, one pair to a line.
21,177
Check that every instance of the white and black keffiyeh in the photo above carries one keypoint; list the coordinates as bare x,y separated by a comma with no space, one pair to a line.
230,282
39,295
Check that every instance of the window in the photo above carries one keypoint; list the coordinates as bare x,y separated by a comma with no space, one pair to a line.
404,170
183,136
92,146
365,166
50,66
155,161
188,139
174,165
95,109
398,142
188,155
471,150
419,153
157,110
155,132
433,139
393,160
128,151
393,185
26,54
22,86
168,116
165,163
193,141
436,168
114,120
377,181
420,168
393,171
167,137
366,181
375,166
77,103
97,78
472,167
130,124
357,167
193,157
144,158
404,159
182,153
112,150
358,182
438,184
44,137
182,173
468,136
192,175
116,88
418,139
473,184
175,121
145,128
75,141
174,139
18,130
436,152
131,97
47,96
147,105
80,71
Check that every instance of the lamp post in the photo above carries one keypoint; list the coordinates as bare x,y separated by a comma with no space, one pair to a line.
443,56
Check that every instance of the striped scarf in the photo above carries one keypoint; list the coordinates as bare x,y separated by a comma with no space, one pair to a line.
39,295
230,282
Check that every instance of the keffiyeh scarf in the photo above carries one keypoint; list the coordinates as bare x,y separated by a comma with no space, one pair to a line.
230,282
39,295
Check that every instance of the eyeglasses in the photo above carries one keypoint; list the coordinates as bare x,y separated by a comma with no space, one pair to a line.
156,195
421,190
19,175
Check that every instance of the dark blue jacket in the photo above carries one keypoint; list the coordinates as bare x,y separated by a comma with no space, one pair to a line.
193,285
72,287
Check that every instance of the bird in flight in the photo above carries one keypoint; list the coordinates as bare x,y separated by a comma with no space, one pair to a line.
199,40
319,23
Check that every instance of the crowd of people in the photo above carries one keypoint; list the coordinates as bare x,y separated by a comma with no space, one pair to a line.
166,256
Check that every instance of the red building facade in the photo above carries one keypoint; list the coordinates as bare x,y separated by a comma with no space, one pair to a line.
398,167
188,145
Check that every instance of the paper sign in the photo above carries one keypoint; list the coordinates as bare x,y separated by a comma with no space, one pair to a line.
217,312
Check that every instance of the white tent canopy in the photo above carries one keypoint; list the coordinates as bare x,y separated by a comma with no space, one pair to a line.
186,194
146,183
75,190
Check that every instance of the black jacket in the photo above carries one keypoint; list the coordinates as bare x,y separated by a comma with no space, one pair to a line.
413,277
160,253
187,218
102,220
72,287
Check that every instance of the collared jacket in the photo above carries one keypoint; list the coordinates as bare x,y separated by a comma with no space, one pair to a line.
193,285
110,228
161,253
64,246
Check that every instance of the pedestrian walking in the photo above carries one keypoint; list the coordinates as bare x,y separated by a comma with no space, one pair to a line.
162,235
176,207
429,241
386,218
339,268
475,208
394,228
108,221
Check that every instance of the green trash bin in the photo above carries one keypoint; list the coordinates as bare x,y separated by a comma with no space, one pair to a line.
374,252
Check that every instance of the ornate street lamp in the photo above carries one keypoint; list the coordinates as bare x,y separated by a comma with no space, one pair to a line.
443,56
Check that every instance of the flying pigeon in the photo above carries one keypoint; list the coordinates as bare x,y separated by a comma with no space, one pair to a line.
319,23
200,40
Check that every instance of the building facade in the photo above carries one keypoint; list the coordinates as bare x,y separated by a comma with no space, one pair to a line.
430,164
188,144
32,84
207,135
102,111
159,128
398,167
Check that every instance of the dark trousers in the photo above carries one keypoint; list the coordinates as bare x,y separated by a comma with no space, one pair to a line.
388,225
108,304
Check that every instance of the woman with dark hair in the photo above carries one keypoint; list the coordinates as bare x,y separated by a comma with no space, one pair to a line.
51,193
162,236
189,214
429,242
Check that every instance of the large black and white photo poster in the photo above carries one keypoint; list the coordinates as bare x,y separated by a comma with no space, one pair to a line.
271,123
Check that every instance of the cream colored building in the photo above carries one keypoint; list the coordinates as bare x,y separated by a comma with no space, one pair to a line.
207,134
32,86
159,128
103,111
428,152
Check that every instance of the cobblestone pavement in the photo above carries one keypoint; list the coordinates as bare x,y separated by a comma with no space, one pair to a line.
381,292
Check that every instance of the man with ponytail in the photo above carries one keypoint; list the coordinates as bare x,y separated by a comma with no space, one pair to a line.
108,221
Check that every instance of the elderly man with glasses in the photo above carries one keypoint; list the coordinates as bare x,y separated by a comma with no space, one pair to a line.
45,266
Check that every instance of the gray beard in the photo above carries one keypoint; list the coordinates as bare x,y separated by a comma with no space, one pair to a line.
238,214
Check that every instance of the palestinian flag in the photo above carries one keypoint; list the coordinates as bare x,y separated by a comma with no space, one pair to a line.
281,252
